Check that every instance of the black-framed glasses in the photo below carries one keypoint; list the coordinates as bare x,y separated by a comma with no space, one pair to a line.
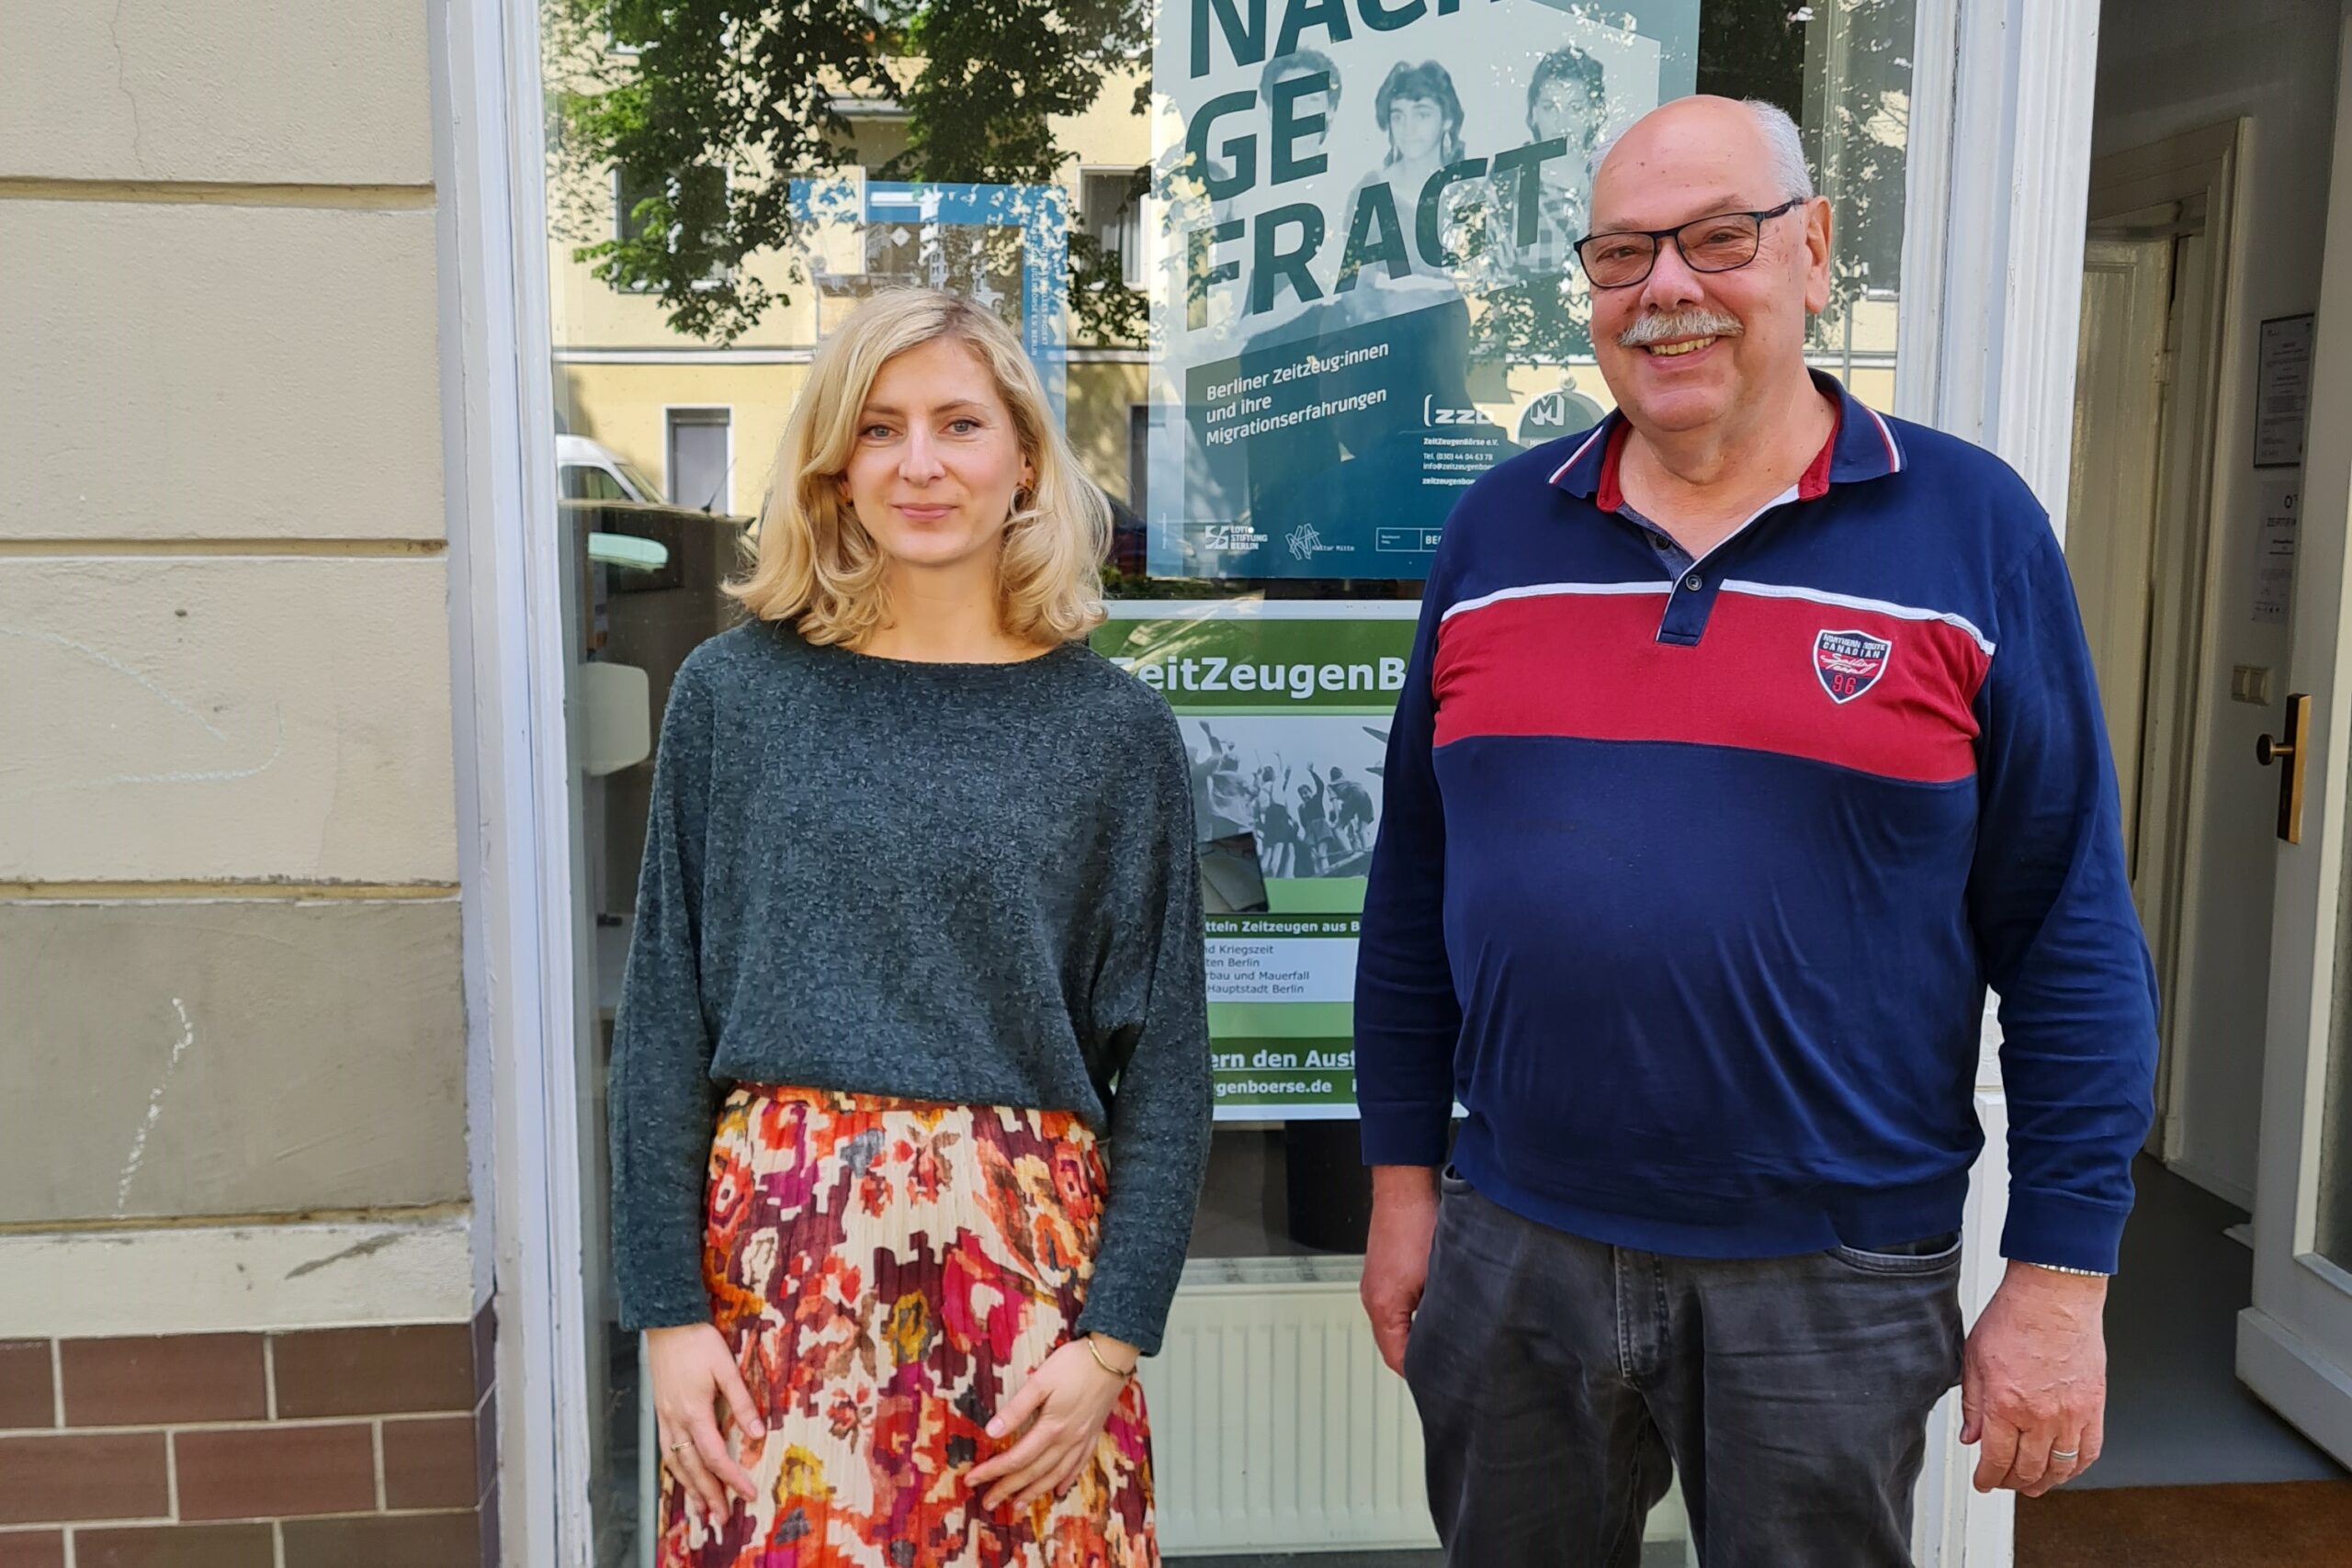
1721,244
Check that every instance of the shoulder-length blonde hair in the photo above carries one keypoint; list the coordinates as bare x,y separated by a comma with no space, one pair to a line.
819,569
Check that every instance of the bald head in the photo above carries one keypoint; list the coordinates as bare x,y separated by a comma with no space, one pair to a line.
1717,255
1744,140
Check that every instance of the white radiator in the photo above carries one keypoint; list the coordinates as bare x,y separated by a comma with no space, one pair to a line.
1275,1427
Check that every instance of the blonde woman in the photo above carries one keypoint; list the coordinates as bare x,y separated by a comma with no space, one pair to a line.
918,934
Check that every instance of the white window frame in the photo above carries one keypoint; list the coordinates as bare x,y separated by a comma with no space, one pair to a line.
1992,273
1991,301
516,789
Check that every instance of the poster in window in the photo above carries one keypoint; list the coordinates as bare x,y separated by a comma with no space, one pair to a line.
1284,709
1365,215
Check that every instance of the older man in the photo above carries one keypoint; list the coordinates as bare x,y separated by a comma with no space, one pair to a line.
1746,738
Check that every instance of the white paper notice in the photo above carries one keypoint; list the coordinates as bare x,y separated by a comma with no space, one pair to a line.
1282,969
2274,578
2282,394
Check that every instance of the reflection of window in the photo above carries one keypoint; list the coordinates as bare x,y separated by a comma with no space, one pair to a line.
629,192
1139,451
700,458
878,130
699,190
1110,208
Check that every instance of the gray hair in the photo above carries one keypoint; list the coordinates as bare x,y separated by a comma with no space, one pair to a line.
1781,140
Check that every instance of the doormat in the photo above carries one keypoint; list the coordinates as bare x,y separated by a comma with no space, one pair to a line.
2291,1523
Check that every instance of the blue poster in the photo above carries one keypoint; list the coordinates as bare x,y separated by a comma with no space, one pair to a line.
1362,230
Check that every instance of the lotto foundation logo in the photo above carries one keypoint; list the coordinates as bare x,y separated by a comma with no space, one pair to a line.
1850,663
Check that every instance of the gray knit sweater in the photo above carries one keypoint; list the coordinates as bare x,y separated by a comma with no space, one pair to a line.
965,883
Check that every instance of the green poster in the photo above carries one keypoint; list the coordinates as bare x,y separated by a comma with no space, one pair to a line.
1285,709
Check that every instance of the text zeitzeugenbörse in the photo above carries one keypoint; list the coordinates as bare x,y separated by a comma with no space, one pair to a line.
1297,682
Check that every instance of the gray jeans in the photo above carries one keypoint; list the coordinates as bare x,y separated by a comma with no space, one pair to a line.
1562,1384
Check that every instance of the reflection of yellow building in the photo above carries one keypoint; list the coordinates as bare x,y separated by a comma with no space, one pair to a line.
628,379
625,379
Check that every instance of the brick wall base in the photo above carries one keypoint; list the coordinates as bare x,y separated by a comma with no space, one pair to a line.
342,1448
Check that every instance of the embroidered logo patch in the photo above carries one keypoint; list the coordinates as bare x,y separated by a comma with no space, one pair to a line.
1850,663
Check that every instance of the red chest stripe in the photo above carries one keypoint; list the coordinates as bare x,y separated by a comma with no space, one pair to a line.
1882,688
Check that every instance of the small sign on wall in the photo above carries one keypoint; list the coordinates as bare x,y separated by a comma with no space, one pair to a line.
2274,577
2282,397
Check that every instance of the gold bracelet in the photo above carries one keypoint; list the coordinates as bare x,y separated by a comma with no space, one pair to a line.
1088,1340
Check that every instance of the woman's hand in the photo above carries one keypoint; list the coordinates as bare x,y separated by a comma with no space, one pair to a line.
691,1370
1063,1406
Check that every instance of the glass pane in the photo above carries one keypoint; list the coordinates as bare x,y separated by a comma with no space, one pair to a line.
1282,363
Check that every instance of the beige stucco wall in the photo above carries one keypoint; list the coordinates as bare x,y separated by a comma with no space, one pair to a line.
228,922
326,91
218,372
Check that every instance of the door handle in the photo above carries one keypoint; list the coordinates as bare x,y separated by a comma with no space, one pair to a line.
2290,750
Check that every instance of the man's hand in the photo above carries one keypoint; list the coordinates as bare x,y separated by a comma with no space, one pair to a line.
2033,1386
1396,1254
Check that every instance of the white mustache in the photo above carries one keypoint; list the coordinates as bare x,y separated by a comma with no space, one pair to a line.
1692,323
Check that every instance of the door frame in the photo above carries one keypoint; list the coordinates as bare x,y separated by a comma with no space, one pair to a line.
2207,165
2295,1341
1997,178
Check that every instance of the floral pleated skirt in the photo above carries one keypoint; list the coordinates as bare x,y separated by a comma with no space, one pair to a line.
887,1272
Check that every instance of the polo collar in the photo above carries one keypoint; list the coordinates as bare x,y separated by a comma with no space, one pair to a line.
1861,445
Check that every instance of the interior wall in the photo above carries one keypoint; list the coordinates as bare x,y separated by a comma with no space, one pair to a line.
2167,67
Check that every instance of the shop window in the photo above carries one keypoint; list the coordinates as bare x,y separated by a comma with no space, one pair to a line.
1446,351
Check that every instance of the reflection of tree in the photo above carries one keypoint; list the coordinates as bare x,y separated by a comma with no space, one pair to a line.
1858,122
1843,68
716,108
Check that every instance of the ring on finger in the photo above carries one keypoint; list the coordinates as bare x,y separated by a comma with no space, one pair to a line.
2066,1455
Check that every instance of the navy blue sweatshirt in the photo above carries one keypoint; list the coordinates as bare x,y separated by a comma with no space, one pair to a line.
1693,875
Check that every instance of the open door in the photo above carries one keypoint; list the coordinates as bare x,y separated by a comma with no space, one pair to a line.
2295,1341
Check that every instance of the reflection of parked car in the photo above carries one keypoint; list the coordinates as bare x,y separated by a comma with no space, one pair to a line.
589,471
